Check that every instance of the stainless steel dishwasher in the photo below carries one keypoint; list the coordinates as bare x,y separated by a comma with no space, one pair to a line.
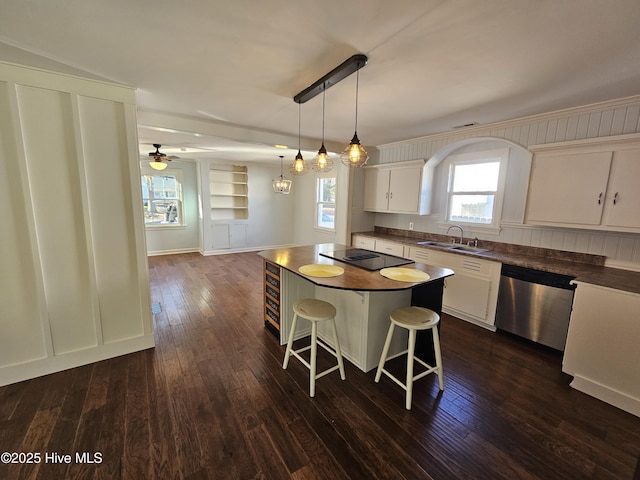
535,305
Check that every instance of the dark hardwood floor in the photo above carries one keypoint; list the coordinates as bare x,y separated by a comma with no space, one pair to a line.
212,401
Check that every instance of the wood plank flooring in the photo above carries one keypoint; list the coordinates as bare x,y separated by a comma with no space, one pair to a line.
212,401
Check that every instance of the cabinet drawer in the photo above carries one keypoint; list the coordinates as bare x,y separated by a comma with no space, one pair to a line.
367,243
389,248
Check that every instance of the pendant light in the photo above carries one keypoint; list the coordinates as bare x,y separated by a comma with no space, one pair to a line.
322,162
281,184
355,155
298,166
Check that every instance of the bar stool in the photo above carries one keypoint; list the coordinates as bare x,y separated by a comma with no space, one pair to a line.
315,311
413,319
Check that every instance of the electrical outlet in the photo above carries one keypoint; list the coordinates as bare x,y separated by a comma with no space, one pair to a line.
410,225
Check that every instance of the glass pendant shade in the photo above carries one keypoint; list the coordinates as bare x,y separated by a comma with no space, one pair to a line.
157,165
298,166
354,155
281,184
322,162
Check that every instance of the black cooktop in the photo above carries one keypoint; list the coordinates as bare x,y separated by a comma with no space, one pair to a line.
366,258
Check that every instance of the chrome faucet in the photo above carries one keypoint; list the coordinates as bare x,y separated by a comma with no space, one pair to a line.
461,232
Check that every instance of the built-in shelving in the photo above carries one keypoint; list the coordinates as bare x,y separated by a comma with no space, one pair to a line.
229,193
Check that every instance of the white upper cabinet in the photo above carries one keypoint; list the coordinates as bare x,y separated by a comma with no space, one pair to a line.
622,209
402,187
590,184
568,188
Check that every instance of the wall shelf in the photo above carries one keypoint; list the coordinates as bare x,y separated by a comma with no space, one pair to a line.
229,193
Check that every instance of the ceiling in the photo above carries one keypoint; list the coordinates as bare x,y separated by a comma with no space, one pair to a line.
433,64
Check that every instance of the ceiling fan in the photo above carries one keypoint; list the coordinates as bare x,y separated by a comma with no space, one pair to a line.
158,157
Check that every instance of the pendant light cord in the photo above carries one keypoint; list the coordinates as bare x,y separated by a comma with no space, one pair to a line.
324,91
357,85
299,109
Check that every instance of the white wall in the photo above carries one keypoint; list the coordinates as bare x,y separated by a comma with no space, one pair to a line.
304,189
270,213
74,285
605,119
184,238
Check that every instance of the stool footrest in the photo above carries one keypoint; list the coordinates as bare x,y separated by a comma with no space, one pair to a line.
296,353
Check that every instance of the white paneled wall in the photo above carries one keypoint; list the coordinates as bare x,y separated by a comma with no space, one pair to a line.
74,284
601,120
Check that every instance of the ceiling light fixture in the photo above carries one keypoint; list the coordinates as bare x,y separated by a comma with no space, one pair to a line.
157,165
355,155
342,71
156,161
298,166
322,162
281,184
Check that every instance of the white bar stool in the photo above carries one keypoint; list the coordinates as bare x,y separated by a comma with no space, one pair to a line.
315,311
413,319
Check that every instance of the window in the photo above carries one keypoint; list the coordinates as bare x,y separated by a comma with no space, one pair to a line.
162,199
326,203
476,183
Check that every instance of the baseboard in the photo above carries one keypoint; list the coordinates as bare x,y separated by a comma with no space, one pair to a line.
206,253
606,394
45,366
172,251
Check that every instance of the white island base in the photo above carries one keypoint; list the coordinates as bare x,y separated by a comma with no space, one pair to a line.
362,318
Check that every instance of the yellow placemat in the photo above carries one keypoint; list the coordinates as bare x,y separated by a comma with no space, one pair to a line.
321,270
404,274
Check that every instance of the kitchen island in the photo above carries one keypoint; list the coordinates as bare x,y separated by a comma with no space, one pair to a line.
363,300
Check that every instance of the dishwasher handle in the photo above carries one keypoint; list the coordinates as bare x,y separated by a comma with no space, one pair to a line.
538,276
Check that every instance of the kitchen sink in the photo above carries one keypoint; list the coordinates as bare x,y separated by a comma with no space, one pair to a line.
452,246
436,244
467,248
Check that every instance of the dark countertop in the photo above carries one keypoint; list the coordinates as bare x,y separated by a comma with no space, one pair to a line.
353,278
585,268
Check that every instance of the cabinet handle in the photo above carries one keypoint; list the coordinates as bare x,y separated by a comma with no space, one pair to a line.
615,198
600,198
390,194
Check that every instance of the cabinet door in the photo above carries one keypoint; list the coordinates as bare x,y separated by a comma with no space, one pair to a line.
376,189
404,190
467,294
568,189
623,195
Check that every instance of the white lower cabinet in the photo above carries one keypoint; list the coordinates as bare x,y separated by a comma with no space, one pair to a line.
361,241
382,246
472,292
390,248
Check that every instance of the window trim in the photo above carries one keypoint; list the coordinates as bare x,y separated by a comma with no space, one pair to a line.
180,179
317,202
470,158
